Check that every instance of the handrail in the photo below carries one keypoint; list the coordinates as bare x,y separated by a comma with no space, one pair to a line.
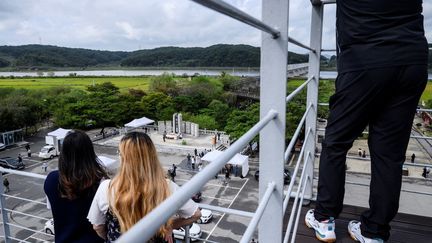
294,175
298,89
418,109
23,199
298,43
226,210
299,210
402,190
23,173
296,133
328,50
364,132
247,235
368,159
229,10
152,221
291,218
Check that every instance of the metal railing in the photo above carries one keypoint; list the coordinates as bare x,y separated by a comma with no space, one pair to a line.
5,211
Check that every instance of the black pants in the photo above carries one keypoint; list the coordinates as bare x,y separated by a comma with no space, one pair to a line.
386,100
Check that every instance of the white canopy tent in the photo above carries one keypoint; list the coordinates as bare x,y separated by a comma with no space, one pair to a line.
59,133
110,164
238,159
140,122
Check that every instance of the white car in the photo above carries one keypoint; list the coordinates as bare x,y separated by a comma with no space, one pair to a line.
194,232
2,146
48,152
206,215
49,227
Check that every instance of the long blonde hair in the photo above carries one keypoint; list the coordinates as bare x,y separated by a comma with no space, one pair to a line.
140,186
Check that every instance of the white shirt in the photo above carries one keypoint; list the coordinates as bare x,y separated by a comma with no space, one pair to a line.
99,206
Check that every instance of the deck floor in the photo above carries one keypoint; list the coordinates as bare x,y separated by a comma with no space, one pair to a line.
405,228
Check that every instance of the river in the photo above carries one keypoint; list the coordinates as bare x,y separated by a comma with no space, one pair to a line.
132,73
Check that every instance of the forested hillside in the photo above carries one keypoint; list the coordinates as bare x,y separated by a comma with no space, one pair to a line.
45,57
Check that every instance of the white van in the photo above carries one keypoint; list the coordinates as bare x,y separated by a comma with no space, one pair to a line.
48,152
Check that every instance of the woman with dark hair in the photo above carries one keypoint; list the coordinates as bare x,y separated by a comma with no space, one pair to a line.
70,190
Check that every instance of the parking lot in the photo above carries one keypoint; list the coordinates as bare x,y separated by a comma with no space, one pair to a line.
237,193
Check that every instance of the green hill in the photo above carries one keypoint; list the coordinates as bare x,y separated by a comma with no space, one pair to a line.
46,57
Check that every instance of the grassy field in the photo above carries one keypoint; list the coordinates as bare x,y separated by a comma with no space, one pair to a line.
121,82
75,82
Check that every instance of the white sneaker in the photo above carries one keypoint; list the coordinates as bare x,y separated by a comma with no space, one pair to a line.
355,233
324,231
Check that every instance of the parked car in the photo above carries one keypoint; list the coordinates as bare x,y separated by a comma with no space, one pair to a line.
49,227
48,152
194,232
2,146
287,176
206,216
9,162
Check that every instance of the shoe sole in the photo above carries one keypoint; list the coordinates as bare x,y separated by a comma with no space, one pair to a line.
318,237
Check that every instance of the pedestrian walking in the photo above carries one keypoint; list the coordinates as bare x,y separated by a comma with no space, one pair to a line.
44,166
196,152
172,172
360,152
29,153
6,185
426,171
413,158
164,135
193,162
27,146
364,153
382,72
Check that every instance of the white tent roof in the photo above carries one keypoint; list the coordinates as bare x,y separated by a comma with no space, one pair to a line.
59,133
238,159
108,162
212,155
139,122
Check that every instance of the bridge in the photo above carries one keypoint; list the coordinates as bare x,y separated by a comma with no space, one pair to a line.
249,87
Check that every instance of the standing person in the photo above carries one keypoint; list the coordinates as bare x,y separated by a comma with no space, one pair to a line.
173,172
360,152
138,188
71,188
164,135
413,158
29,152
364,154
196,152
6,185
382,72
19,159
27,146
193,162
44,166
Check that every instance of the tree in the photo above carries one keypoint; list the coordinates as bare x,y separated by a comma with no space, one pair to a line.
240,121
106,88
204,121
164,83
219,111
153,103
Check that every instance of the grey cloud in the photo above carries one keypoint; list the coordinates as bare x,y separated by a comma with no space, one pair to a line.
129,25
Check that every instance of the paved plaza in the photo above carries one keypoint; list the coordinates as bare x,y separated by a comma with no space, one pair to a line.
238,193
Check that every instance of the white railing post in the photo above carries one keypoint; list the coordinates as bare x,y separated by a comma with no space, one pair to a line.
274,52
4,212
312,89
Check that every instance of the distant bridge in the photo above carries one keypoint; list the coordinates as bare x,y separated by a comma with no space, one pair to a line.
249,87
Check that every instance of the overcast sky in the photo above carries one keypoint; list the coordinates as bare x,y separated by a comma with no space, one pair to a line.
143,24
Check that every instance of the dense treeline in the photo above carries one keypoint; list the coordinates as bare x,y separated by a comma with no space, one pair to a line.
203,100
46,57
30,56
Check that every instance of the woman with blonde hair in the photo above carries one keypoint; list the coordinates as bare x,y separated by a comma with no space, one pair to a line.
138,188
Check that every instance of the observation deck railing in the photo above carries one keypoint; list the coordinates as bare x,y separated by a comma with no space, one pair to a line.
274,200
